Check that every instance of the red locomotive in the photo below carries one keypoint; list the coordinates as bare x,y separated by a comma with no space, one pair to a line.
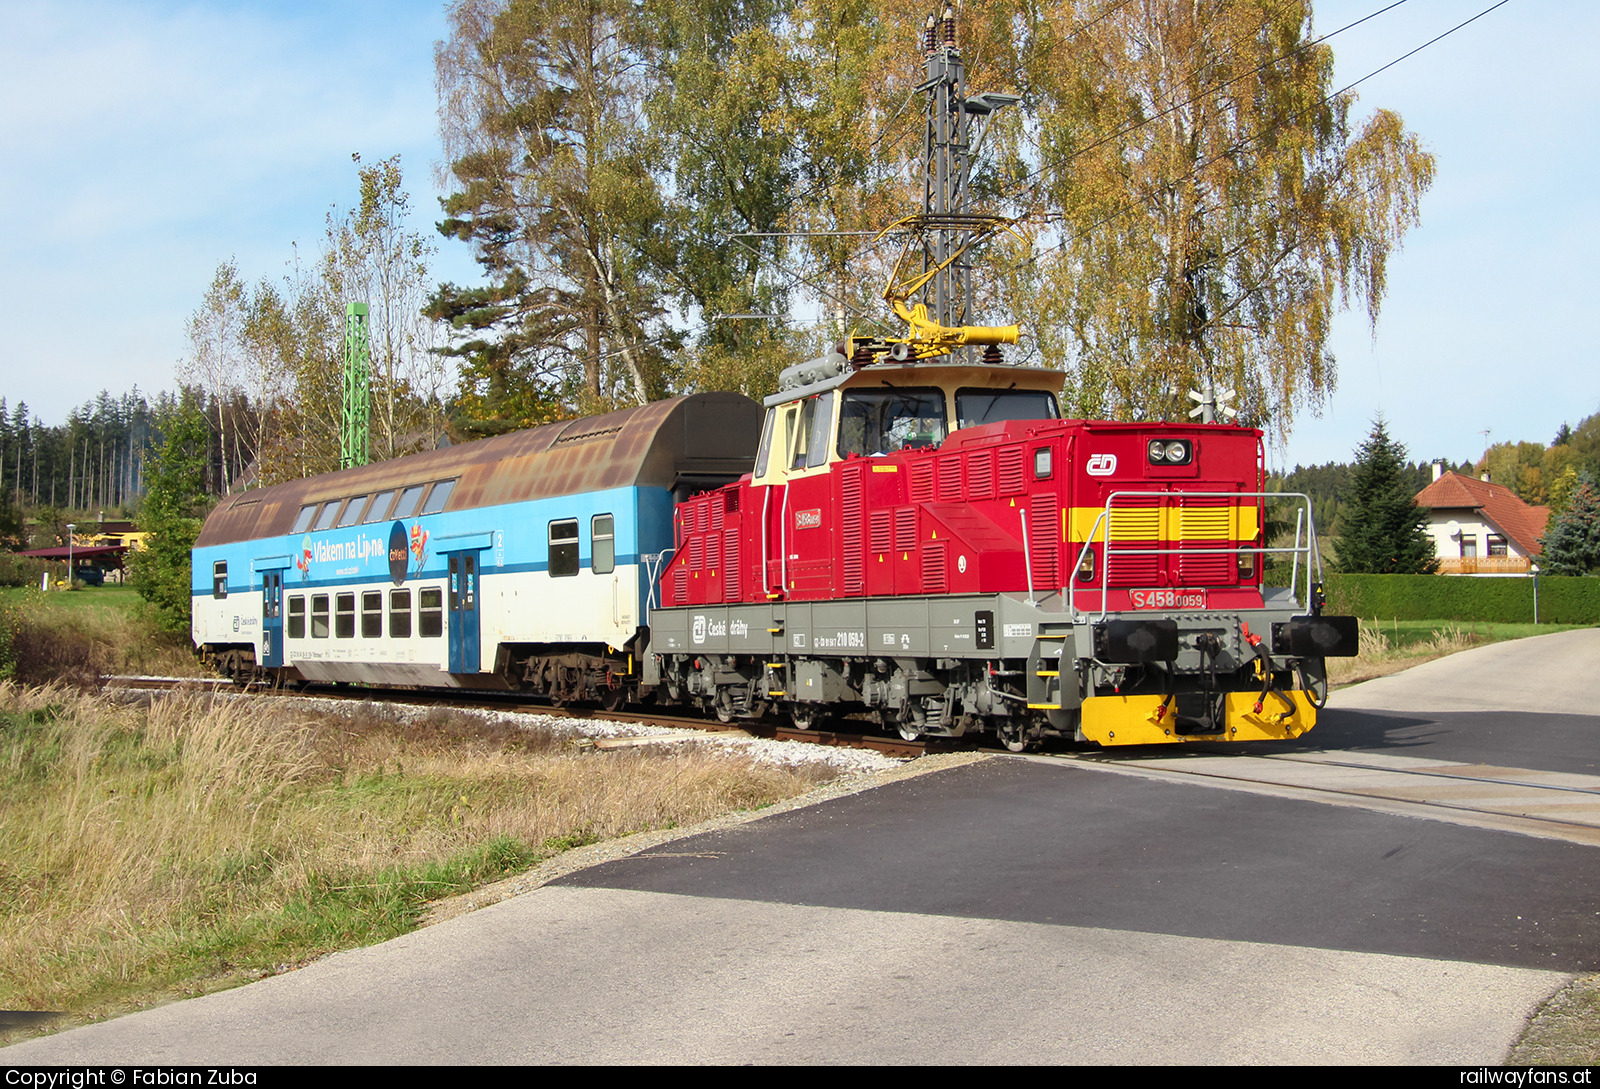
931,542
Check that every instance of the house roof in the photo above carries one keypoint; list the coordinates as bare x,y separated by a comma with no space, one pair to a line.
1523,523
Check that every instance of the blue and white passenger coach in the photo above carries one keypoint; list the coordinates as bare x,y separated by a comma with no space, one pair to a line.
522,561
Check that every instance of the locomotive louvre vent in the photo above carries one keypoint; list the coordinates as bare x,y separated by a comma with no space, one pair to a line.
980,475
922,482
905,529
950,477
933,568
1011,470
882,527
697,550
730,558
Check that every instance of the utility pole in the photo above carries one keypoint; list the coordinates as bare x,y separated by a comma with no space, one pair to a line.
353,435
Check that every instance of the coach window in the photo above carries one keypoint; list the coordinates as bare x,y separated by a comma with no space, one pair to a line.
372,614
353,511
439,496
408,501
564,548
219,579
297,617
302,521
399,614
344,617
325,520
430,612
319,616
602,544
380,506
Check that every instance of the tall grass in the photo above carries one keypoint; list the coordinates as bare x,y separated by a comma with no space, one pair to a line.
202,840
78,637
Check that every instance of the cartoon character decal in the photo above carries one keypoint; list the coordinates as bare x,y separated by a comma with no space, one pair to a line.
419,544
303,561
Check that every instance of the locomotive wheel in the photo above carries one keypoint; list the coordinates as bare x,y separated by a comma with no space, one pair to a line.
724,705
1015,737
804,716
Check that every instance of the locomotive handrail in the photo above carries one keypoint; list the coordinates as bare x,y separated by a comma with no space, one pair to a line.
1303,516
653,576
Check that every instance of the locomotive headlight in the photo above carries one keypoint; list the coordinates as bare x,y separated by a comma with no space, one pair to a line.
1041,463
1178,452
1158,452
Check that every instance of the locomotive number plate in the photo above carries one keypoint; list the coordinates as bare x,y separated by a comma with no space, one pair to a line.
1168,599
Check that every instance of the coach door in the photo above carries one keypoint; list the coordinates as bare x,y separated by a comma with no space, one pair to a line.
272,619
462,600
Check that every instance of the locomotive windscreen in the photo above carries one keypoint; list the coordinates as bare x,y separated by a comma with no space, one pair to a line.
981,406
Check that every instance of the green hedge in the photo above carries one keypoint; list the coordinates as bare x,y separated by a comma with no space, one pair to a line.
1562,600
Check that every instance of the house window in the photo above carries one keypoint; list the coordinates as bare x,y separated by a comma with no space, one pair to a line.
1469,548
1497,545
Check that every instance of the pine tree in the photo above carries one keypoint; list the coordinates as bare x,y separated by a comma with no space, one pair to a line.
172,513
1380,525
1572,543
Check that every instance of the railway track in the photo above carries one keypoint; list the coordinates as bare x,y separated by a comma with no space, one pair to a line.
888,746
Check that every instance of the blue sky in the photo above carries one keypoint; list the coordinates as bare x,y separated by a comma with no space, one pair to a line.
143,143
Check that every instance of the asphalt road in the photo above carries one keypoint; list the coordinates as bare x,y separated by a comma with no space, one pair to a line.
1114,909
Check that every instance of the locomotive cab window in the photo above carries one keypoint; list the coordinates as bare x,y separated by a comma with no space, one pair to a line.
219,579
564,548
885,421
981,406
602,544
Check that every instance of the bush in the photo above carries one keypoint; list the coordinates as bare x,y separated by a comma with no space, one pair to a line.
21,570
1562,600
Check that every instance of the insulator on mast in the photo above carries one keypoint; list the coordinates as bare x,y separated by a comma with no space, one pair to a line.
950,26
928,32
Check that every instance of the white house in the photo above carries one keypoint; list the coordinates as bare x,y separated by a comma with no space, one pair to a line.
1480,528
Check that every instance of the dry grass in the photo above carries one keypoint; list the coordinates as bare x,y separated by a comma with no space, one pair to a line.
76,638
1564,1030
1382,654
198,842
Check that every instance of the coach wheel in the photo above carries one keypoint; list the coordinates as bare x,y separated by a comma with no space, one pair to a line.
612,697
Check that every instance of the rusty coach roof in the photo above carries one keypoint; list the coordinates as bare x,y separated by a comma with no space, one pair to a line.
684,441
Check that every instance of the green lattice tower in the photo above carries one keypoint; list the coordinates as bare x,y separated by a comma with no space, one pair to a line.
353,435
